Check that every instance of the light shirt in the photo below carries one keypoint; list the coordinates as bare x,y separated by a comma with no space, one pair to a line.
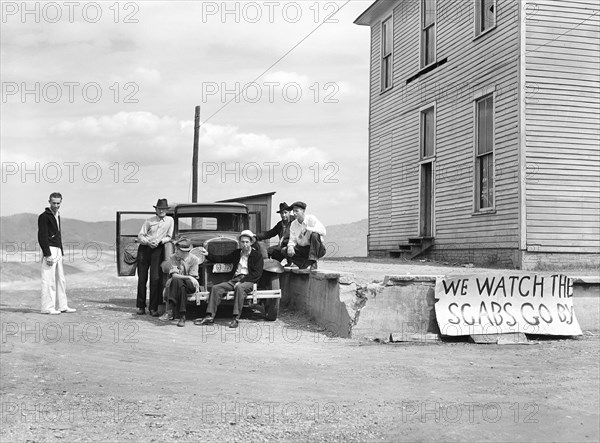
57,217
187,266
156,229
242,268
300,232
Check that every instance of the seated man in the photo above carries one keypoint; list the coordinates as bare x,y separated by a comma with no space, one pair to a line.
281,229
305,246
183,273
248,267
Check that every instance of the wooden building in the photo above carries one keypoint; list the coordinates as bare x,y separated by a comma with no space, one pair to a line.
484,139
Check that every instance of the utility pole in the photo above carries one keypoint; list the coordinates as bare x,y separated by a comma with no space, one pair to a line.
195,156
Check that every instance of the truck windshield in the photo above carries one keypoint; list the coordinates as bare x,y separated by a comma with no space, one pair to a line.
210,222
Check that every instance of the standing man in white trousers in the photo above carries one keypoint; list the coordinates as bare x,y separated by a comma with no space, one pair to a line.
53,277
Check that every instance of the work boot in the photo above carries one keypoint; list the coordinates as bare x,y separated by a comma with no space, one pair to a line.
181,322
167,316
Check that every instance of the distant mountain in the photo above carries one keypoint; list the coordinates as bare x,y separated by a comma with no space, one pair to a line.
347,240
22,230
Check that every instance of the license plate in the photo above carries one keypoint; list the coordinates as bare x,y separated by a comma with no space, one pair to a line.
221,268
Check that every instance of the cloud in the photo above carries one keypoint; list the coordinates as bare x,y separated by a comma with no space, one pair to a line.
151,139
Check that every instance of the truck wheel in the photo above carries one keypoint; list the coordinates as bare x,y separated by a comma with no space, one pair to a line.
271,308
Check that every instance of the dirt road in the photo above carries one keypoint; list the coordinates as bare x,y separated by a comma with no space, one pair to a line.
105,374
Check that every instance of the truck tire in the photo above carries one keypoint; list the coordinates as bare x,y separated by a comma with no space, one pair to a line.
271,309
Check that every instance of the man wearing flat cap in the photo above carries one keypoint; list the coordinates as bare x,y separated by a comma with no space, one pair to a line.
281,229
155,232
248,267
182,268
307,233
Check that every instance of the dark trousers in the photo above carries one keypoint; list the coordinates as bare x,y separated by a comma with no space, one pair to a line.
178,291
148,261
218,292
276,252
304,256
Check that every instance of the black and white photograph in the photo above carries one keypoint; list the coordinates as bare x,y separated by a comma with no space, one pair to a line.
300,221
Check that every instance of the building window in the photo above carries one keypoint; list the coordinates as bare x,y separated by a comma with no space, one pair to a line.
387,50
485,15
484,159
427,133
427,32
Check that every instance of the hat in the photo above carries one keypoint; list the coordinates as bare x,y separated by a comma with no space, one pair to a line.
184,244
301,205
283,207
162,204
247,233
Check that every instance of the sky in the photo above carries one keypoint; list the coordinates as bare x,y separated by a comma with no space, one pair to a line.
98,102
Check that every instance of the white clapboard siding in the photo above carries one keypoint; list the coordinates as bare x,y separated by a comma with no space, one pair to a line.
491,60
562,132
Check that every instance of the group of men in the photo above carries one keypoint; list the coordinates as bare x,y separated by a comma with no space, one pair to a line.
301,237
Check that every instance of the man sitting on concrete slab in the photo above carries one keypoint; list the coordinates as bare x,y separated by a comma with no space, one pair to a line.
281,229
305,246
183,280
248,265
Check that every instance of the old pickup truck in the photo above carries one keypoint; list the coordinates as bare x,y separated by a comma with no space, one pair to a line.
216,227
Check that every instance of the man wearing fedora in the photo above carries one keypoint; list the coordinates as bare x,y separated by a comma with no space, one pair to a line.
281,229
307,233
155,232
248,267
182,268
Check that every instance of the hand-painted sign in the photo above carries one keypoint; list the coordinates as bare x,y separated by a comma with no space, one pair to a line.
500,303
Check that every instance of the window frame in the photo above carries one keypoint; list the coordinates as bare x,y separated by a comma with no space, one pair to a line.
424,27
386,57
484,94
478,20
425,159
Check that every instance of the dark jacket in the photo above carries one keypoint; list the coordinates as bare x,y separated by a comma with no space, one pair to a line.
255,264
281,229
48,232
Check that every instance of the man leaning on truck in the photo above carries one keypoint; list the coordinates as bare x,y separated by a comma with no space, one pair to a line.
155,232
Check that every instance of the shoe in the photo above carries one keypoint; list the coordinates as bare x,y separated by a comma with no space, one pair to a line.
204,321
154,313
51,312
181,322
68,310
141,311
313,267
233,323
167,316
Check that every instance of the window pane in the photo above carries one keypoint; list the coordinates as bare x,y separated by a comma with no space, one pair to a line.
429,42
485,125
428,12
486,181
386,72
387,37
487,14
427,133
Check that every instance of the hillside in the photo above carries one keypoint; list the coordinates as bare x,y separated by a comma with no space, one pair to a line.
347,240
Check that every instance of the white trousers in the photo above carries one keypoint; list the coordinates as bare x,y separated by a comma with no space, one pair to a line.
53,283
